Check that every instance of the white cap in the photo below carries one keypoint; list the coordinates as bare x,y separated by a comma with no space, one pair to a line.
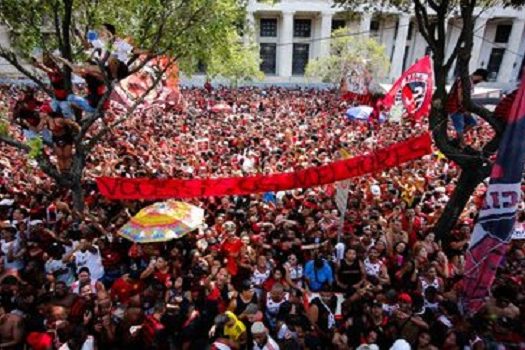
375,189
368,347
258,328
401,344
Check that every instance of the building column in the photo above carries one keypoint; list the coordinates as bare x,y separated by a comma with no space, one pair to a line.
453,39
364,25
387,36
479,34
420,45
455,32
286,45
326,32
399,49
510,58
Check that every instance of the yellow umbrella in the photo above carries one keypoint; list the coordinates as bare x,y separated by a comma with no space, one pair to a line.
163,221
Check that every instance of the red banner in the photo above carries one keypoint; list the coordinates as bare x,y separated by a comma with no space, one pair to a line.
413,90
154,189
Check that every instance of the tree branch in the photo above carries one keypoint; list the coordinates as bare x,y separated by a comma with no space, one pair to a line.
96,138
56,21
12,142
458,46
43,161
423,24
10,57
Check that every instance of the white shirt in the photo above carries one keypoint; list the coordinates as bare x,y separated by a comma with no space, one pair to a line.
270,345
53,266
122,50
258,277
16,264
92,261
89,344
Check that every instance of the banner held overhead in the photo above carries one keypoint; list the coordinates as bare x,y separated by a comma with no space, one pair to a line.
155,189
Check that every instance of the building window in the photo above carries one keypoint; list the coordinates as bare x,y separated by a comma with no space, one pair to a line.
300,58
410,30
405,58
374,25
268,57
302,28
496,56
503,33
338,24
201,67
268,27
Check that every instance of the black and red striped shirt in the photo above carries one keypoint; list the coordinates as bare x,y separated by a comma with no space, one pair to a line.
59,84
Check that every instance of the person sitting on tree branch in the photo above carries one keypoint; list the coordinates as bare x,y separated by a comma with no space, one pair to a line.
462,119
63,138
63,99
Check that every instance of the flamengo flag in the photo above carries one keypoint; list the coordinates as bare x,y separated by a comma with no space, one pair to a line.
412,92
493,231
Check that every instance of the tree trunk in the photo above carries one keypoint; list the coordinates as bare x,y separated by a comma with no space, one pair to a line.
465,187
78,195
67,52
77,170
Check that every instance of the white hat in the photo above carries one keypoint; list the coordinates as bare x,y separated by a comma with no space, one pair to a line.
368,347
401,344
375,189
229,226
7,202
258,328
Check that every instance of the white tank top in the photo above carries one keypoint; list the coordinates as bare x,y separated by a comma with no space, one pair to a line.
372,269
258,277
425,284
272,307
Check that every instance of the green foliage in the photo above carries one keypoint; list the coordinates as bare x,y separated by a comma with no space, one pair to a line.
35,144
348,53
237,62
190,30
4,127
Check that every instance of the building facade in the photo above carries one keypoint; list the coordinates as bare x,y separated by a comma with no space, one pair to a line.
292,32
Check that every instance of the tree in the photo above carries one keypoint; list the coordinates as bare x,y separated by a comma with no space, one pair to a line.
432,17
347,54
186,31
239,63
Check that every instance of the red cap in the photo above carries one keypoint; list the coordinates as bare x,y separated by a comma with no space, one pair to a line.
406,298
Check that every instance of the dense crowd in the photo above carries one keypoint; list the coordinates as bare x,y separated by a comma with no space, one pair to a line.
267,270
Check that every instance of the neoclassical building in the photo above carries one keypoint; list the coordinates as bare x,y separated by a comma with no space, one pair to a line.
291,32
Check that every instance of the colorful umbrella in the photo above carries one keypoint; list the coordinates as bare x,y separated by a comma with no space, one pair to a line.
221,107
162,222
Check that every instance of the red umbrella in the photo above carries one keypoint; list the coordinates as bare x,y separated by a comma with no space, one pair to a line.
221,107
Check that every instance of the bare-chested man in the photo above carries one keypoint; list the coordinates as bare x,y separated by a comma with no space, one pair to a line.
11,330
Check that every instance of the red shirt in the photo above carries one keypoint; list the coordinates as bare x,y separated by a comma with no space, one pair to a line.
123,290
365,99
453,103
161,277
150,332
412,234
232,248
59,85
